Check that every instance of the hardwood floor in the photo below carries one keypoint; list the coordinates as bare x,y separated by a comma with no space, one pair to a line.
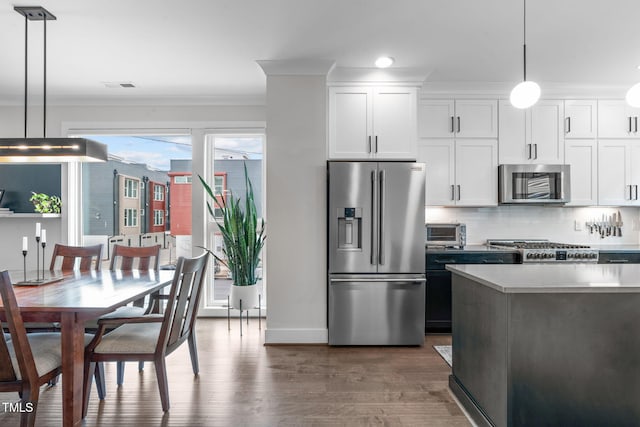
242,382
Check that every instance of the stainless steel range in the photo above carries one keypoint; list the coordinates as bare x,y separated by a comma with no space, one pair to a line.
546,251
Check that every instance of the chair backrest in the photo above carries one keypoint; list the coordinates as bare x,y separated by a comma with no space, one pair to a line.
21,347
182,305
90,257
124,257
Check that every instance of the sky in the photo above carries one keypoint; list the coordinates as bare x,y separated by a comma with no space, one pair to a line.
158,151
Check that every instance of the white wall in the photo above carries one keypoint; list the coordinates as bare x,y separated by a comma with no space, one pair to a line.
537,222
296,209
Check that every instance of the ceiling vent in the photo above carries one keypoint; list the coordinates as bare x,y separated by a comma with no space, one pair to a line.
117,85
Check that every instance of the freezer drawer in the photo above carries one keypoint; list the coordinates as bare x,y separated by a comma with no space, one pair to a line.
367,311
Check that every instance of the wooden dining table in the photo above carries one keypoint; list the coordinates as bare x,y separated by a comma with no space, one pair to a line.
72,300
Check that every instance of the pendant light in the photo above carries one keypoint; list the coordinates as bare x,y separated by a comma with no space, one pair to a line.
633,96
46,150
526,93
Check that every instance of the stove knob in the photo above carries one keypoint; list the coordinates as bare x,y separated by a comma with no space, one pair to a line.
571,255
529,255
593,255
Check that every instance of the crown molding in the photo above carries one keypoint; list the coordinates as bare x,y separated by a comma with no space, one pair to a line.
297,67
350,75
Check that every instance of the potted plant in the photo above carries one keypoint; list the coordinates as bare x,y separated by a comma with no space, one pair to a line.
44,203
243,240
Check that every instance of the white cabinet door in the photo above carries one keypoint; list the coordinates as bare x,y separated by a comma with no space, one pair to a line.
436,118
582,157
533,135
614,173
439,157
477,172
512,135
350,121
545,121
617,120
580,119
476,118
394,123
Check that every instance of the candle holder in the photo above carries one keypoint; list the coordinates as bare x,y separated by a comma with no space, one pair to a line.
38,258
44,244
24,256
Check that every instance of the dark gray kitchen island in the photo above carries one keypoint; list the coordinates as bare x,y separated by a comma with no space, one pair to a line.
547,344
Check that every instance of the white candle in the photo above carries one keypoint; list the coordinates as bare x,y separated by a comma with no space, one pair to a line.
24,243
37,229
43,237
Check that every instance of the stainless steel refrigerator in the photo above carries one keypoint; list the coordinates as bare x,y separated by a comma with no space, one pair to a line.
376,255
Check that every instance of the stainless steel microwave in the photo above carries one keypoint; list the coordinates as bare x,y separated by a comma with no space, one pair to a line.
534,184
448,235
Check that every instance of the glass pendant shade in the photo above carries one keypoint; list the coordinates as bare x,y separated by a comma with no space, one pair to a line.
633,96
525,94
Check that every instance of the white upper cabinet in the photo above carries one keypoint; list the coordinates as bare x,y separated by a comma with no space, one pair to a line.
580,119
460,118
616,119
618,173
372,123
460,172
582,156
534,135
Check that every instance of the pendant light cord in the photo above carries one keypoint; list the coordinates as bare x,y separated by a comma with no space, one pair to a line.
524,39
26,63
44,102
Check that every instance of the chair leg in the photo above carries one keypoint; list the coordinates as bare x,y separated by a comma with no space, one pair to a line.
163,386
140,366
100,380
89,369
120,371
30,396
193,352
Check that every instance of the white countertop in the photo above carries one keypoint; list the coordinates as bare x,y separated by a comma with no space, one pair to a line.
545,278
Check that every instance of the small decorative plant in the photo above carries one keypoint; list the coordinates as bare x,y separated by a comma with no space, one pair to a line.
243,239
44,203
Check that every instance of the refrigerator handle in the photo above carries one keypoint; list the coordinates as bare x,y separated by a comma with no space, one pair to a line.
381,204
382,280
374,203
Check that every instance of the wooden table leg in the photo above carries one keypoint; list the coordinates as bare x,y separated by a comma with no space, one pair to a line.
72,369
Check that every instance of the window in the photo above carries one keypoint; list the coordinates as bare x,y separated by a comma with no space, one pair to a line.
158,217
158,192
182,179
130,188
218,182
131,217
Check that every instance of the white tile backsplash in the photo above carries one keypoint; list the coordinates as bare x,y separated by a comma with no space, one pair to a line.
538,222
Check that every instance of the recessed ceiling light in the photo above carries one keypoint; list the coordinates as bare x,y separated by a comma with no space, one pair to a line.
384,62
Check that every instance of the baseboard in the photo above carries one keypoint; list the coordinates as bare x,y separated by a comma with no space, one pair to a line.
296,336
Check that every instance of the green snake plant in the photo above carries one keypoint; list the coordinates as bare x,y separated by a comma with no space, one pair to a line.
238,224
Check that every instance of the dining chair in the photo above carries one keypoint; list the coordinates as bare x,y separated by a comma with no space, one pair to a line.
82,258
127,258
27,361
153,336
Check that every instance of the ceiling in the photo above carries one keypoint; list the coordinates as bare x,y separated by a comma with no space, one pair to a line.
199,50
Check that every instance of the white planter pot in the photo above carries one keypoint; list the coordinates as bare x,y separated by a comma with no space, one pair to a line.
248,295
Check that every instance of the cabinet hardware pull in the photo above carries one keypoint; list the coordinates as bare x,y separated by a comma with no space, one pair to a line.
369,144
635,187
376,143
568,124
497,261
529,147
630,198
459,124
617,261
635,119
452,128
458,191
629,124
535,146
453,192
445,261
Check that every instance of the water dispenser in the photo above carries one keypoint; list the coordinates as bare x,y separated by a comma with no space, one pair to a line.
349,228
